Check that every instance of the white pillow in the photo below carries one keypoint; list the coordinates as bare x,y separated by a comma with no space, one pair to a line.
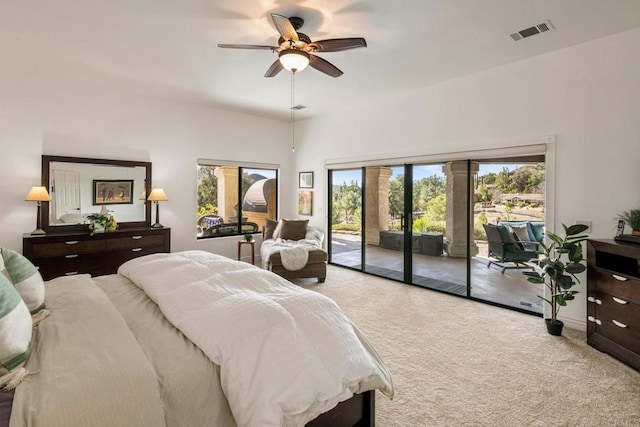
15,335
26,279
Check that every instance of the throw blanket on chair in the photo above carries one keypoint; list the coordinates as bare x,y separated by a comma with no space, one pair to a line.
294,253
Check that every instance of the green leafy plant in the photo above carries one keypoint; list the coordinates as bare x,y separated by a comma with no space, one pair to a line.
101,221
631,218
563,259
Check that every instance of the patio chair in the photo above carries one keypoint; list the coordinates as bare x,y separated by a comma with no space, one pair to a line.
507,249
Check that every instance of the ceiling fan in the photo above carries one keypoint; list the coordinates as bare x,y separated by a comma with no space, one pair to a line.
296,50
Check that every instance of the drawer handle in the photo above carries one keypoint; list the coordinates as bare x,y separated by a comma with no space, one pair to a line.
619,324
594,320
620,278
136,249
619,301
136,237
71,256
594,300
71,242
71,273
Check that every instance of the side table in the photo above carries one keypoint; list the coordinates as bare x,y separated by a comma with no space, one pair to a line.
252,243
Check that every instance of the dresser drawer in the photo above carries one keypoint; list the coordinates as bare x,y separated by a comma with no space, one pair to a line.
67,247
116,258
616,330
619,309
71,264
623,287
136,241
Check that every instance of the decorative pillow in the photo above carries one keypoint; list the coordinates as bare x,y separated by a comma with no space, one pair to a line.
3,269
15,335
26,279
293,229
521,231
269,227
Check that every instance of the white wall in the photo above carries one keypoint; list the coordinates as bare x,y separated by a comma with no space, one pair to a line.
94,116
587,95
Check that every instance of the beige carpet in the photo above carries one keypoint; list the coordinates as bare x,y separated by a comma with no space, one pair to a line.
461,363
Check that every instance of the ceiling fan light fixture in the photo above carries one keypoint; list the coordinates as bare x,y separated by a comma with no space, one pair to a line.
294,60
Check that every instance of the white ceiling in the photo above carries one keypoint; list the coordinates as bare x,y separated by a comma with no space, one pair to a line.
170,47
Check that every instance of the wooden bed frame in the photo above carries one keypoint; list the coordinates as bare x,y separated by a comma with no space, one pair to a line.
359,411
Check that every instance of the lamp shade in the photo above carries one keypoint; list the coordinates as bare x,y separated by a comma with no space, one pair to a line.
294,60
38,194
143,195
157,195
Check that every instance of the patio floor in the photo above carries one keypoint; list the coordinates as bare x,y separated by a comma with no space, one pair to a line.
444,273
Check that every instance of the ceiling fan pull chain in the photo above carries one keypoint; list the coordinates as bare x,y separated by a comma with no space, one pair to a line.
293,123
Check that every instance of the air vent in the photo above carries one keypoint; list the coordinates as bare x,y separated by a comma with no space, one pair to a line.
298,107
532,31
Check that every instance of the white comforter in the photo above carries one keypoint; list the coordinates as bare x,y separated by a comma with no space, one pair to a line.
286,354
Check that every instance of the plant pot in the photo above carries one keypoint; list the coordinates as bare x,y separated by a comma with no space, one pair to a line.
554,328
635,232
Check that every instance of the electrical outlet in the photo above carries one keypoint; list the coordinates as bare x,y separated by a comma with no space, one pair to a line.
585,222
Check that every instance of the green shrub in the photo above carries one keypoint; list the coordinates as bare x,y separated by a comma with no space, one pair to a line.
207,209
345,227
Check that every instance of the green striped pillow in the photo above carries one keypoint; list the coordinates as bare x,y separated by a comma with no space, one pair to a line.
15,334
26,279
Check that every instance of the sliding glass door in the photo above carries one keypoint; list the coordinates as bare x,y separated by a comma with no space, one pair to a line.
439,239
428,225
345,217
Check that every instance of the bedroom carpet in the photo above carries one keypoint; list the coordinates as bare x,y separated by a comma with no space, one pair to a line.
461,363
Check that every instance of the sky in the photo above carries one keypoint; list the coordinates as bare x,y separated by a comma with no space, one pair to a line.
419,172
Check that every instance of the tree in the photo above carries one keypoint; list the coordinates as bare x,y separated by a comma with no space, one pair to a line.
207,187
396,196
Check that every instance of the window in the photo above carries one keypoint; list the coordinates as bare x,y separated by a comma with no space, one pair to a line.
235,199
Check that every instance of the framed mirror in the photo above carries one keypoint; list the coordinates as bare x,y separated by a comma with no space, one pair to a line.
81,186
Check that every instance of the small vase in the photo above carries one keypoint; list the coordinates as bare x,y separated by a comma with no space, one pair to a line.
554,328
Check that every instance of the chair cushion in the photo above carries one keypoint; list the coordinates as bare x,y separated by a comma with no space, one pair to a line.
269,227
293,229
315,256
536,230
521,231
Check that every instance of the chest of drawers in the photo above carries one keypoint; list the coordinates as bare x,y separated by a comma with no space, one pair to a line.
60,254
613,295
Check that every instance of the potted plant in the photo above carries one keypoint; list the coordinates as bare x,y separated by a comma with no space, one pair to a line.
557,271
99,222
632,219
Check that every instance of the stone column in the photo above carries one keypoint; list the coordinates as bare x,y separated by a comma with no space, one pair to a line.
459,188
376,215
227,191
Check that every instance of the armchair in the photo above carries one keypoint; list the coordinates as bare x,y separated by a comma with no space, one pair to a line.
504,247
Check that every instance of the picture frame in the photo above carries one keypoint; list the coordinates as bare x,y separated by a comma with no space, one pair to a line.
305,202
305,180
112,192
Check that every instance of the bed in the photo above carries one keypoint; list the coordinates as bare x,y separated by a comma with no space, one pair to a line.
194,339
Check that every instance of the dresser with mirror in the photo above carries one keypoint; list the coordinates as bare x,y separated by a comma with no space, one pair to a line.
79,187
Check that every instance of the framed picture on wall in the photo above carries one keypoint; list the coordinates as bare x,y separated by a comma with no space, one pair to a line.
112,192
305,202
305,180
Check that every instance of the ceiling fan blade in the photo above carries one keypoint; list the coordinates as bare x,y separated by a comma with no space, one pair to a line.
284,27
275,68
324,66
336,45
247,46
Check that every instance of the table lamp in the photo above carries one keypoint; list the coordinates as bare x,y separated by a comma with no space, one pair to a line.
157,195
39,195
